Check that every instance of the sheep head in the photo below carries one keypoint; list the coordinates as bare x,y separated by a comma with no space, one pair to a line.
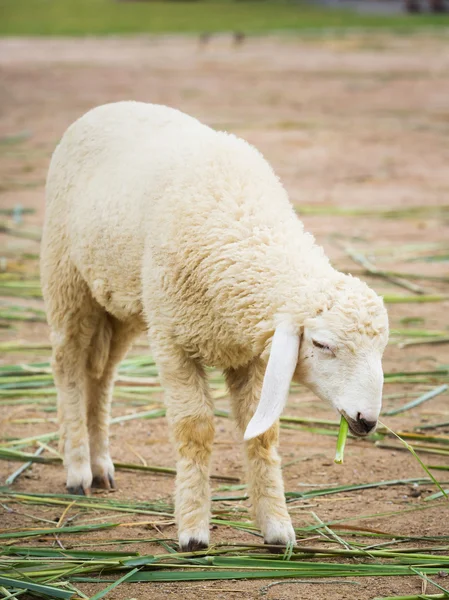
340,357
336,352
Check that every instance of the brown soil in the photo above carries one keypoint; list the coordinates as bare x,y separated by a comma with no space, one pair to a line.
360,122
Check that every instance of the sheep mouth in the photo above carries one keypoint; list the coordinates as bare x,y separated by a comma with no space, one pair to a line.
356,427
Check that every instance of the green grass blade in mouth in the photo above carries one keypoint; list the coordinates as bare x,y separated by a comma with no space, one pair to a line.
341,441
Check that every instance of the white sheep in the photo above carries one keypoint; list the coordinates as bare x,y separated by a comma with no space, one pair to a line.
156,222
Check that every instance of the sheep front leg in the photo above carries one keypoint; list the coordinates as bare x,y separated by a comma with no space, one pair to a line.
190,412
266,487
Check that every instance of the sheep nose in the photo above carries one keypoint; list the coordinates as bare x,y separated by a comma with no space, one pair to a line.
365,425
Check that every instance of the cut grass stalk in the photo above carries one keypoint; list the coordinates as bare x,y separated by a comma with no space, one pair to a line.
437,495
167,470
133,559
414,447
308,420
418,333
440,375
7,595
410,449
427,396
412,212
41,590
373,270
22,313
52,530
103,593
12,478
20,291
433,425
20,233
436,340
420,437
16,455
48,437
313,569
341,441
392,299
328,530
28,551
9,212
403,275
23,347
90,502
428,580
350,488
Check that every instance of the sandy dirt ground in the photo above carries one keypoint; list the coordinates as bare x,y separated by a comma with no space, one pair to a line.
360,122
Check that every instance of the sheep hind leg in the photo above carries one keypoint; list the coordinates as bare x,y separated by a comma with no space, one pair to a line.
70,378
109,345
190,412
72,327
266,487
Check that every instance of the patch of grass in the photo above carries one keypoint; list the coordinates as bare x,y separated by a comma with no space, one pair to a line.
35,568
100,17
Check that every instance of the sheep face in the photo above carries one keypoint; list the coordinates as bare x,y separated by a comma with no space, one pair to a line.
337,353
340,360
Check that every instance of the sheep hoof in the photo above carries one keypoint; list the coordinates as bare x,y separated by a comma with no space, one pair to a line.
278,534
193,545
78,490
275,546
103,482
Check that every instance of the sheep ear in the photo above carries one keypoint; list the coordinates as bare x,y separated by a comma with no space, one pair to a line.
276,383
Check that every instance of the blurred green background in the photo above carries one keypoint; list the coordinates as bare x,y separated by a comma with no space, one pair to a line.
81,17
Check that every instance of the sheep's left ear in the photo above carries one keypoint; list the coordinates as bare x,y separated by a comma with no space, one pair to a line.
276,383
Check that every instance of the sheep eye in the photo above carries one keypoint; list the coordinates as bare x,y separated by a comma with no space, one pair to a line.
321,346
